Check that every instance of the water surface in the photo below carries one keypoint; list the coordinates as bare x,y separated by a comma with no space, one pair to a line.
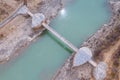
76,22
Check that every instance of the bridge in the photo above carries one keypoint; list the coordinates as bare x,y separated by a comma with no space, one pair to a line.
70,45
82,55
60,37
38,19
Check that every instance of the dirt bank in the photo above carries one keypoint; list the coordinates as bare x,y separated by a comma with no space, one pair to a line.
105,43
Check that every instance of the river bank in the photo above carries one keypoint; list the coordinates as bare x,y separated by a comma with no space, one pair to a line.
104,45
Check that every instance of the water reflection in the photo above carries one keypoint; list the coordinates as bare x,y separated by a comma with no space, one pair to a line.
63,12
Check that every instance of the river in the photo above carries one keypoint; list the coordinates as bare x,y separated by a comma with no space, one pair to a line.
76,22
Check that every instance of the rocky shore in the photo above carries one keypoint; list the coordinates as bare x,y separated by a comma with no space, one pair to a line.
105,46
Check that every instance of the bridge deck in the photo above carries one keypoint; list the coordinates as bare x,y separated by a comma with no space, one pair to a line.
70,45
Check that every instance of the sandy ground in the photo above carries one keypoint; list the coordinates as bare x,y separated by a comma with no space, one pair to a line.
108,58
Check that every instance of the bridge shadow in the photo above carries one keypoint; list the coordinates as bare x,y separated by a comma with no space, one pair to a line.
60,43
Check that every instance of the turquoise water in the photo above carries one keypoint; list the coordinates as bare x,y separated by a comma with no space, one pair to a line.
76,22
